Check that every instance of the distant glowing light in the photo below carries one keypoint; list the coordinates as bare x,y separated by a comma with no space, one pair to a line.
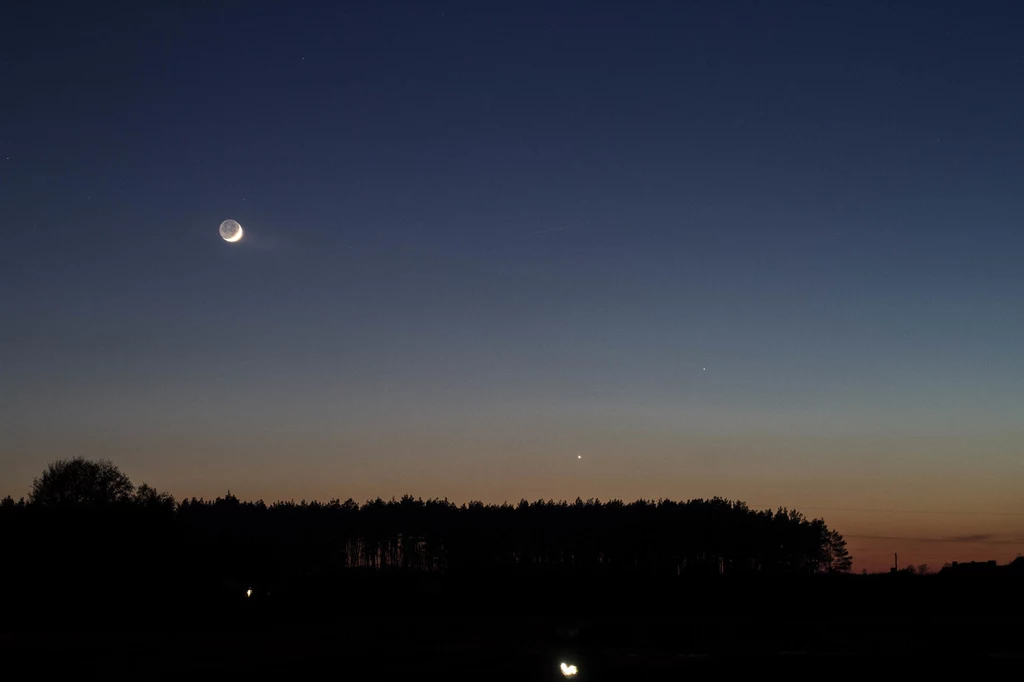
568,670
248,593
579,456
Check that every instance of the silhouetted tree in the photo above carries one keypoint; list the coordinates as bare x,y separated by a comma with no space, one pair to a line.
150,498
922,569
81,482
840,560
126,540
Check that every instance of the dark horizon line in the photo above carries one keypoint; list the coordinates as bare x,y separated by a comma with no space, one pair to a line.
915,511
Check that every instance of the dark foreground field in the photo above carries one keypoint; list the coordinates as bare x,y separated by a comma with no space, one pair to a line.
320,656
376,627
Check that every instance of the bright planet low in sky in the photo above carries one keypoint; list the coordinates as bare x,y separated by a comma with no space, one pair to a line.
766,251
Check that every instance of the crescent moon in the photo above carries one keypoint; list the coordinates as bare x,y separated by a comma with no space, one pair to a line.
238,235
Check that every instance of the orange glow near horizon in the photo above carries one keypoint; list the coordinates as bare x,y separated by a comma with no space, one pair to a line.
920,499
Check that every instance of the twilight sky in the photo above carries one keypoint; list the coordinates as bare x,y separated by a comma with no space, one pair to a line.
767,251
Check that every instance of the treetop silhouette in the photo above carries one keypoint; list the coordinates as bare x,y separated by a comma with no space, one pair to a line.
645,537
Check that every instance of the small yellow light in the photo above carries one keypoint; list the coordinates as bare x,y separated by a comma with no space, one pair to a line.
248,593
568,670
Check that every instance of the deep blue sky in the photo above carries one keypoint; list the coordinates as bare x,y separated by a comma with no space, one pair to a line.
483,238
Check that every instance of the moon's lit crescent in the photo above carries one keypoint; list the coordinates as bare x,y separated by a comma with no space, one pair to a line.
231,231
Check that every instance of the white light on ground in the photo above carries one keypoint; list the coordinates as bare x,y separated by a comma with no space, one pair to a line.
568,670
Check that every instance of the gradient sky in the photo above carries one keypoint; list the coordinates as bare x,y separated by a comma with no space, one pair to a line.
767,251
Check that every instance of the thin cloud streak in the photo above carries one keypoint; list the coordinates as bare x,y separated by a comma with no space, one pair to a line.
555,229
981,539
904,511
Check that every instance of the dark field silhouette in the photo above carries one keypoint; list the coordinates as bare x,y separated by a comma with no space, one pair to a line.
409,587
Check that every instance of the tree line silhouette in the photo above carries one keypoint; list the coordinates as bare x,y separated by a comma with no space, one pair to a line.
88,549
80,508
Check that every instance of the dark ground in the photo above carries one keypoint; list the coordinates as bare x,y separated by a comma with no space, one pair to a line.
364,628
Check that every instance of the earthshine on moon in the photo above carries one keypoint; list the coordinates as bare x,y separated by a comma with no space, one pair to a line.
230,231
